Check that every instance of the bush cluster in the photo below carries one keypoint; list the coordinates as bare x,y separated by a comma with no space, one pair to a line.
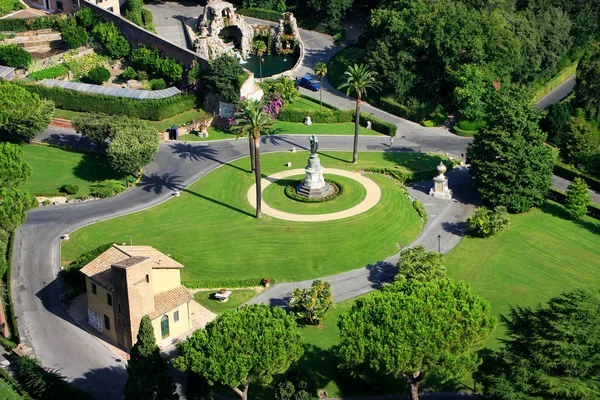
269,15
153,110
69,189
418,206
73,35
13,55
154,62
50,73
106,188
87,18
158,84
486,222
560,197
138,15
114,43
99,75
30,24
228,283
290,191
129,73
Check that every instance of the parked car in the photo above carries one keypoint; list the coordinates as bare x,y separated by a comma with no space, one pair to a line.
307,82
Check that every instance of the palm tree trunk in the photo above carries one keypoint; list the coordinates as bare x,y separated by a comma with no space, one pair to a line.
258,176
251,146
321,92
356,125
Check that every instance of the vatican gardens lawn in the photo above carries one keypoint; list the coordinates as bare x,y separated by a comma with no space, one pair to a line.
211,228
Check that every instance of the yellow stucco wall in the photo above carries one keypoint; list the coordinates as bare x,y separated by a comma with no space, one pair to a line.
99,303
165,279
175,328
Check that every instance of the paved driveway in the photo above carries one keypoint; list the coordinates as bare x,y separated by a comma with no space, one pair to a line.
169,17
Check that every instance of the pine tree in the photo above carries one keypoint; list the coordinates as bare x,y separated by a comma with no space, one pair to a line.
148,372
578,199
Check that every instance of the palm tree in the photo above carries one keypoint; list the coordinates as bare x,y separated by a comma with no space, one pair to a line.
321,71
359,78
251,121
259,48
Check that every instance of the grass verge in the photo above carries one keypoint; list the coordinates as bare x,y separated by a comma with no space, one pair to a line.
236,299
554,82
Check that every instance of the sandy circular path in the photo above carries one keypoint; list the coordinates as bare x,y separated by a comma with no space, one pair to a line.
372,198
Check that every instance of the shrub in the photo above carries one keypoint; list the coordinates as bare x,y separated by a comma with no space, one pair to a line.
428,123
287,88
80,66
418,206
47,383
74,279
462,132
310,305
27,24
74,36
12,55
69,189
99,75
467,125
114,43
578,199
148,19
142,76
154,62
269,15
50,73
87,18
129,73
158,84
486,222
154,110
107,188
377,124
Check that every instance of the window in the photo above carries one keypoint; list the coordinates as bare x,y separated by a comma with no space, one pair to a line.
110,9
119,307
59,5
94,290
147,278
106,323
176,316
109,299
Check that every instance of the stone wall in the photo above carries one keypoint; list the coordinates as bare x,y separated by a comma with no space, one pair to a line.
137,35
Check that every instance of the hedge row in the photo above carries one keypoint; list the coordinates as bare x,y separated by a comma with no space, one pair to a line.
260,13
393,107
570,173
224,283
560,197
154,110
30,24
463,132
335,116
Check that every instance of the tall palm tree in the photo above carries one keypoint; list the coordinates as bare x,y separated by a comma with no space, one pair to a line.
321,71
359,78
260,48
251,121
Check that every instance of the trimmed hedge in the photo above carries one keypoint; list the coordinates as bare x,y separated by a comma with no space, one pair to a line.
290,192
336,116
153,110
260,13
227,283
30,24
560,197
393,107
418,206
49,73
570,173
462,132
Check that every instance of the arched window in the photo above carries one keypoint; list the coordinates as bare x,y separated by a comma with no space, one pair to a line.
164,326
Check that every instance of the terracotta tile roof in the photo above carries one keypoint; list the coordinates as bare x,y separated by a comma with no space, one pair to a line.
170,299
125,256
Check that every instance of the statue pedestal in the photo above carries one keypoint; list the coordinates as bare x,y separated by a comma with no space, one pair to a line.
440,187
314,186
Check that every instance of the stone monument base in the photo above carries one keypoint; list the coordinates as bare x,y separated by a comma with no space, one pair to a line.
314,193
314,186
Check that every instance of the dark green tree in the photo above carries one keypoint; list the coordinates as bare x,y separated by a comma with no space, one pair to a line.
510,163
420,264
96,127
415,328
559,115
470,91
13,170
22,113
310,305
98,75
242,346
486,222
13,55
148,373
115,44
578,199
578,141
587,89
552,352
74,36
224,77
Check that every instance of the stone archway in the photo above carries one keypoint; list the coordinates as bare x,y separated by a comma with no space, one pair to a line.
232,33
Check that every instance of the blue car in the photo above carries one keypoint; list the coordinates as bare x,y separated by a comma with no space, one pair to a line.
307,82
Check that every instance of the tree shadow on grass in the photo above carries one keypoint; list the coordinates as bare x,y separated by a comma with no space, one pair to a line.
95,167
74,141
415,162
276,140
559,211
220,203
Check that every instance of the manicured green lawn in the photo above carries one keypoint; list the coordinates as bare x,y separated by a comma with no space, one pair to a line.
305,104
52,168
236,299
539,256
7,392
352,194
213,134
347,128
212,230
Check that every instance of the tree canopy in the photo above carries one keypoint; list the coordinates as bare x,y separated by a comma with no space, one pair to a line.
242,346
578,199
420,264
310,305
552,352
23,113
224,77
510,163
148,373
411,329
134,145
587,89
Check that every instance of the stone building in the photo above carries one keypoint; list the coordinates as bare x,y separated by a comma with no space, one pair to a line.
71,6
127,282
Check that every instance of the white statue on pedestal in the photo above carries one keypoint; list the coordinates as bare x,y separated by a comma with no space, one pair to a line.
440,187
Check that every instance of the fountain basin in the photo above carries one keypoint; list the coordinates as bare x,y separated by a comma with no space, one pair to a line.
273,64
